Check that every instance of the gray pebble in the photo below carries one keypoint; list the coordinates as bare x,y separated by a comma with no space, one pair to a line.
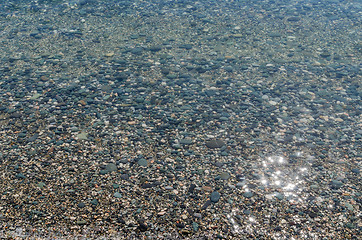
110,167
117,195
215,144
215,196
142,162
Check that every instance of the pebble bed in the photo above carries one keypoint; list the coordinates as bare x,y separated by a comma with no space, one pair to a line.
180,119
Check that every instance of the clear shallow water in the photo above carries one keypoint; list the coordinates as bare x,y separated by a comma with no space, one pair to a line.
108,109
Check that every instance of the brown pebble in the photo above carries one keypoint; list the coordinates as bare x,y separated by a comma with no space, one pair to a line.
44,78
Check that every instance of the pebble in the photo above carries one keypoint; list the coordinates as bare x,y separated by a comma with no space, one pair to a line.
142,162
94,202
110,167
82,136
195,226
248,194
215,196
186,141
15,115
206,204
215,143
117,195
336,184
224,176
81,205
81,222
279,196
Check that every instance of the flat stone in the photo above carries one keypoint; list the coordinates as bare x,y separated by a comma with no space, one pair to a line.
356,170
35,96
15,115
224,176
81,222
280,196
109,54
248,194
195,226
186,141
82,136
117,195
125,176
111,167
206,204
237,35
293,19
215,144
335,184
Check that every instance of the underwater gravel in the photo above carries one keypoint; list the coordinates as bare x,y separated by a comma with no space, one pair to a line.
180,120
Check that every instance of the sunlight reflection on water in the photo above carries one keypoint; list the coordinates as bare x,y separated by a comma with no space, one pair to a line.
279,178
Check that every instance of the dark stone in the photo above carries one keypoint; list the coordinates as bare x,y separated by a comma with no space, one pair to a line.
81,205
215,196
155,48
215,144
356,170
94,202
206,204
147,185
15,115
224,176
125,176
180,225
335,184
142,226
191,188
293,19
33,138
186,46
248,194
325,54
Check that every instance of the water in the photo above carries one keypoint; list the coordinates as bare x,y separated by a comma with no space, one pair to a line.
120,119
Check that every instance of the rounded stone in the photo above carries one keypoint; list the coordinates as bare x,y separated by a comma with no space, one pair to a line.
111,167
142,162
215,196
81,205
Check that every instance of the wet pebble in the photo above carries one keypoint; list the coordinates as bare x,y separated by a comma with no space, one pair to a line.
110,167
117,195
142,162
215,196
224,176
336,184
215,144
248,194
